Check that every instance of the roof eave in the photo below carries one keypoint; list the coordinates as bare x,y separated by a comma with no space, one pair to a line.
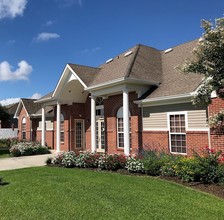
122,80
173,99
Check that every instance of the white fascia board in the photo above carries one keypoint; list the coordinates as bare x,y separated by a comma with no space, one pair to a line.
84,85
174,99
119,81
67,67
16,115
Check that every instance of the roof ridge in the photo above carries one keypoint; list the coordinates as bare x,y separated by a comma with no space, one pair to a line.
178,45
132,61
83,65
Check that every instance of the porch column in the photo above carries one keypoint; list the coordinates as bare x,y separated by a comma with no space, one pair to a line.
126,122
43,137
93,123
58,134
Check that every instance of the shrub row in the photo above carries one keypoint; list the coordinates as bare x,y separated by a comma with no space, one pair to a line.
207,168
27,148
90,160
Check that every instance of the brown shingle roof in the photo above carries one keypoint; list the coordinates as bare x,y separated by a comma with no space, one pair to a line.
174,82
148,64
86,74
31,106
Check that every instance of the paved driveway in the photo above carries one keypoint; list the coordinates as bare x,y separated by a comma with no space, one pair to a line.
13,163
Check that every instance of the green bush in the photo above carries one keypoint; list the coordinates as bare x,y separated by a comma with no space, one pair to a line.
134,165
112,162
187,169
209,165
154,160
28,148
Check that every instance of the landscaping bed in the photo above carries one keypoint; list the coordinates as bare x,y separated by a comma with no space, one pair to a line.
205,172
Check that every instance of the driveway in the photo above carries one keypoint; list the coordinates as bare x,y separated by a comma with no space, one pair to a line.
13,163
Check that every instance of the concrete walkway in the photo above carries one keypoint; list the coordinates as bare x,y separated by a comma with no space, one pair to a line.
13,163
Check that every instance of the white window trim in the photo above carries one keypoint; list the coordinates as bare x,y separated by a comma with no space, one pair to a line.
186,128
83,133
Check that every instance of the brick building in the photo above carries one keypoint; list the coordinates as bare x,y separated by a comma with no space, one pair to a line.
135,100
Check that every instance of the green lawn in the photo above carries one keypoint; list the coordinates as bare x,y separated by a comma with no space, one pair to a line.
59,193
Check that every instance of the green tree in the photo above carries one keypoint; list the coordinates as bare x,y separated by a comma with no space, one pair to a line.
209,61
4,115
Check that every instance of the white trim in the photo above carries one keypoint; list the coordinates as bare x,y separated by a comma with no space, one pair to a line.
186,127
197,129
119,81
156,129
83,134
93,123
173,99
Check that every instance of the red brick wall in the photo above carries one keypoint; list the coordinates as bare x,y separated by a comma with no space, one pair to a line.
70,112
111,106
159,140
23,114
217,140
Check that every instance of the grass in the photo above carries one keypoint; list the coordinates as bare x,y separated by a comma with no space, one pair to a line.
59,193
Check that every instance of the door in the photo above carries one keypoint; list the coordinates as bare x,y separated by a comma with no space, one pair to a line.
79,134
100,135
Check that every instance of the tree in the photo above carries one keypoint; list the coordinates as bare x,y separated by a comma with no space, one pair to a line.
4,115
209,61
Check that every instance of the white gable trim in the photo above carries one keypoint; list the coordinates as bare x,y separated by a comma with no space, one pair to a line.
19,107
65,78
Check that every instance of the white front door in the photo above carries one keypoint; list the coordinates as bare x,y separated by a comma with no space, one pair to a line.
100,135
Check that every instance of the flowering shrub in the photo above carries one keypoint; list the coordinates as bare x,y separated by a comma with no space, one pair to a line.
57,159
216,122
68,159
134,165
112,162
27,148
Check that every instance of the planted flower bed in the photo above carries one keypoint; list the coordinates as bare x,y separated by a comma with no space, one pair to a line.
27,148
208,168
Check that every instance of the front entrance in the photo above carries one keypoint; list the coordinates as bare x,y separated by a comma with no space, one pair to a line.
100,135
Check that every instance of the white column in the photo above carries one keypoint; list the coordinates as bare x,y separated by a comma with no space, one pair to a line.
93,123
126,122
43,127
58,134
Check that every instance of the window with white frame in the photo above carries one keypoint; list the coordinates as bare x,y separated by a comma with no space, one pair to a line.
62,128
120,128
177,133
24,128
79,133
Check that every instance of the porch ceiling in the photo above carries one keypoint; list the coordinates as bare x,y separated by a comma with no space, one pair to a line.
73,91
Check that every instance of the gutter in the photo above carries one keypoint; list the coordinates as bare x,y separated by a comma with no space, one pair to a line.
166,99
119,81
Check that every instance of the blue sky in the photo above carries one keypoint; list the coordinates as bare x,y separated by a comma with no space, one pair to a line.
38,37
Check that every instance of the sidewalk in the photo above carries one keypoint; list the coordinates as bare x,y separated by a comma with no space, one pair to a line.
13,163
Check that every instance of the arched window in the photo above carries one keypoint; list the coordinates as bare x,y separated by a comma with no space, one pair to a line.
99,107
62,128
120,128
24,128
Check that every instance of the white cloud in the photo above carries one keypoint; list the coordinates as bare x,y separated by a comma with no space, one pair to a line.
91,51
12,8
69,3
21,73
36,96
15,100
9,101
44,36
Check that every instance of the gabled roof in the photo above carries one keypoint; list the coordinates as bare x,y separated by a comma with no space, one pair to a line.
148,65
174,82
11,109
29,105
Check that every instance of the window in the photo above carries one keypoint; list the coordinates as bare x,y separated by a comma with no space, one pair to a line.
177,133
62,128
24,128
120,128
79,130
